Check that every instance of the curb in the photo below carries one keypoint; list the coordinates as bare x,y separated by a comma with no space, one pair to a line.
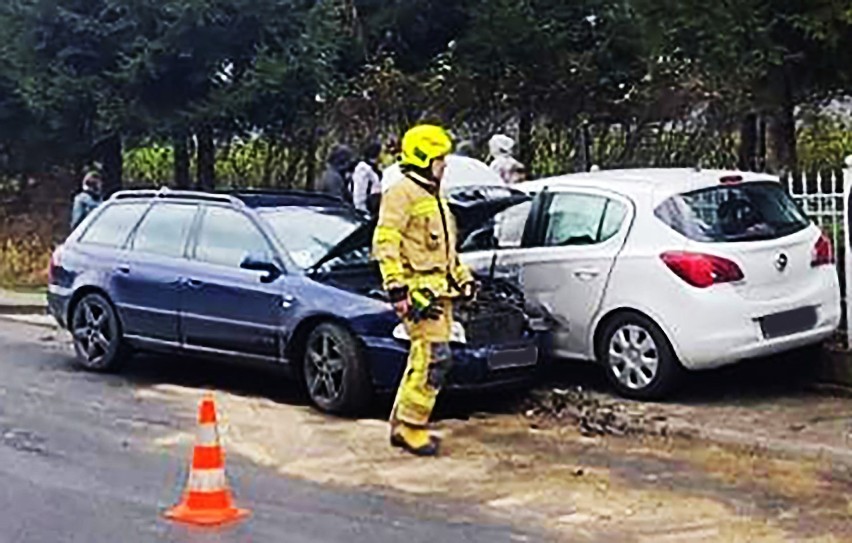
11,317
22,309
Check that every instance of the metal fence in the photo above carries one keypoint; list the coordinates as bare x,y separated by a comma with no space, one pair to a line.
825,198
845,260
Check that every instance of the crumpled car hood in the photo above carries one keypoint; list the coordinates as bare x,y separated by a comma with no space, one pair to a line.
472,207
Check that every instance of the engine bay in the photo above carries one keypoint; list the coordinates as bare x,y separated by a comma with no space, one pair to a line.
498,314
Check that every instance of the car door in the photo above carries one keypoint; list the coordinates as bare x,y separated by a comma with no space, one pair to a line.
148,275
564,256
226,308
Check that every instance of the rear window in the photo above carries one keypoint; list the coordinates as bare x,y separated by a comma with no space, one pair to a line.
744,212
113,225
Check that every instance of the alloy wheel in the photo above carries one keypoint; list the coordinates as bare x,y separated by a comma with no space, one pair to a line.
325,369
633,356
93,331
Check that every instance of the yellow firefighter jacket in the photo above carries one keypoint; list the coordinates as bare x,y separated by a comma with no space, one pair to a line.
415,240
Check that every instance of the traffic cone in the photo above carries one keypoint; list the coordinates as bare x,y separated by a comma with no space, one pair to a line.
207,500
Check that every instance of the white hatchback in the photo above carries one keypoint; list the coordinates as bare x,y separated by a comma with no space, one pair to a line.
656,270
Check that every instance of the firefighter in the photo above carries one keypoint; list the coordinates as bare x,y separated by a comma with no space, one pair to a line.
415,244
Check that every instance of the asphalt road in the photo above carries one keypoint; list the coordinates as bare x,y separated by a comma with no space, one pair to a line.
76,465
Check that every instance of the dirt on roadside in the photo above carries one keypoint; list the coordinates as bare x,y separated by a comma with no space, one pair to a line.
582,468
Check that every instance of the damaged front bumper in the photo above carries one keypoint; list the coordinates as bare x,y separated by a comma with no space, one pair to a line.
474,367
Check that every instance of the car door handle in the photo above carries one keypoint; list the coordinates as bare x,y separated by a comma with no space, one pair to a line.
194,283
123,269
287,301
586,274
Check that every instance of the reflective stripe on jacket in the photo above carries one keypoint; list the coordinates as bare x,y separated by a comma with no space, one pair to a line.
415,239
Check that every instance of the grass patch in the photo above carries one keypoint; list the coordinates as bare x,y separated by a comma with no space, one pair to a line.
24,263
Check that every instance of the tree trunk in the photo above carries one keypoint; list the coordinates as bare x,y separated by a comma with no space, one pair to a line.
206,162
182,179
761,143
311,158
525,126
748,144
112,161
781,125
294,162
781,135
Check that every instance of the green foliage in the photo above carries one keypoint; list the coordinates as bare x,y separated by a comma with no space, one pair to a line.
149,166
824,143
277,81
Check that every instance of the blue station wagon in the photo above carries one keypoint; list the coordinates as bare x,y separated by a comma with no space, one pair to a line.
269,277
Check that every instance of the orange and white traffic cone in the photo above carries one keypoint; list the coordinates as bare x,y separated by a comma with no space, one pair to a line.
207,500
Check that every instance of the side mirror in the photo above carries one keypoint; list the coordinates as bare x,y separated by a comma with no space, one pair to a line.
262,263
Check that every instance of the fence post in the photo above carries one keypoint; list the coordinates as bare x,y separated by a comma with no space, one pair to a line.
847,234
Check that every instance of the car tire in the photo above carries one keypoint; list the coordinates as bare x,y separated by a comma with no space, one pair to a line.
801,365
638,358
333,371
97,334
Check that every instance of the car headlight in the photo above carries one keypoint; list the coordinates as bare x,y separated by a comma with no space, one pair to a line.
457,333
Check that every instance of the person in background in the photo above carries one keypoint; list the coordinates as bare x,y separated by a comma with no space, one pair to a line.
87,199
366,180
501,149
335,179
518,173
466,148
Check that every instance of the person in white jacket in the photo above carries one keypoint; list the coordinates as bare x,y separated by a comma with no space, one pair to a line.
366,180
501,149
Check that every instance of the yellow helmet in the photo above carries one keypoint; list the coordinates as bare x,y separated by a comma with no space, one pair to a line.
423,144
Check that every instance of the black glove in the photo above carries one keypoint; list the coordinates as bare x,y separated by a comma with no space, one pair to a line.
424,305
398,294
434,311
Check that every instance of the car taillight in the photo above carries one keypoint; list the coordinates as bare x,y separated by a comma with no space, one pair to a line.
700,270
55,262
823,253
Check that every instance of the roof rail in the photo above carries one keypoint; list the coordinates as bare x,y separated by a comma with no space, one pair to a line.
165,193
284,197
281,192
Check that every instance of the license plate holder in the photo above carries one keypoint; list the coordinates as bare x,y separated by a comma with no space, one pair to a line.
788,323
513,358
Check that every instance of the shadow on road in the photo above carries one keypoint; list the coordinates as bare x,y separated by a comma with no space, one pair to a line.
753,381
243,380
750,381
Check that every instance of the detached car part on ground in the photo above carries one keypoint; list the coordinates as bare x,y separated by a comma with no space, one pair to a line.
650,272
263,277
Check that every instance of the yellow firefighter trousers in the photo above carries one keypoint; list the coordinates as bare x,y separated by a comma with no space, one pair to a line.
429,361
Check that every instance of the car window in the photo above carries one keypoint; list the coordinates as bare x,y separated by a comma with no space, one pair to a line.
503,231
114,224
164,230
227,237
582,219
509,225
745,212
613,219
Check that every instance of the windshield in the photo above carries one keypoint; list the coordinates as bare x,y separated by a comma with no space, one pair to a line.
309,233
744,212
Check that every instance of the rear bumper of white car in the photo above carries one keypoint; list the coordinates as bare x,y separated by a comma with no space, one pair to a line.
724,329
